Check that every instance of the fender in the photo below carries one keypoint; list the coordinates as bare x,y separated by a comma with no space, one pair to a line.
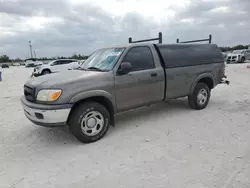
198,78
93,93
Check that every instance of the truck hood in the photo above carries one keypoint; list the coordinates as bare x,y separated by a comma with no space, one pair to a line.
55,79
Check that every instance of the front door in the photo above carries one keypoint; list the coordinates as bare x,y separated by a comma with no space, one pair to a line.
247,55
68,64
58,66
143,85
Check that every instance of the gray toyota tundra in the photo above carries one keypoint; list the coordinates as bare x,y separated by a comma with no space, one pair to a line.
117,79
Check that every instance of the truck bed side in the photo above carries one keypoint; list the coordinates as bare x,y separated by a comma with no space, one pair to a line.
186,64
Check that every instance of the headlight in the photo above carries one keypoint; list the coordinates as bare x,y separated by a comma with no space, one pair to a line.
49,95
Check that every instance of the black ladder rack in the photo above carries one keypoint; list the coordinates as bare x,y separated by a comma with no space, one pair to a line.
147,40
192,41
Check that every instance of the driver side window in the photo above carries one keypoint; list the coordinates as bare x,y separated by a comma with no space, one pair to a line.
140,58
67,62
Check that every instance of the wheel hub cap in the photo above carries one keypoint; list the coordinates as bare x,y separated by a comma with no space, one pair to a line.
202,96
91,122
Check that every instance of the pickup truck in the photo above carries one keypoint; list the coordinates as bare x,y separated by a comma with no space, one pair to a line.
117,79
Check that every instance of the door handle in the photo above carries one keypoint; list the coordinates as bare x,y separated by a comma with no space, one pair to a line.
154,74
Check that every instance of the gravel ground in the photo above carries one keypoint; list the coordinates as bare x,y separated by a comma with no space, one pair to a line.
165,145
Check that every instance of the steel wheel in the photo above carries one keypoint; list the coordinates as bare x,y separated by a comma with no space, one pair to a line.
199,98
89,121
202,97
92,123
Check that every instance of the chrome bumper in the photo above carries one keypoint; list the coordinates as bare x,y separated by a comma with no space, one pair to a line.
46,117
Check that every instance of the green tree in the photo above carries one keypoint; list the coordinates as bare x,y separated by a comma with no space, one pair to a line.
79,56
17,60
238,47
4,58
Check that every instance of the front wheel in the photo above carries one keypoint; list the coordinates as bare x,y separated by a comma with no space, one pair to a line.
200,97
46,72
243,59
89,122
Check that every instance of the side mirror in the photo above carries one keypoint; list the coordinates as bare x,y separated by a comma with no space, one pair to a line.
125,68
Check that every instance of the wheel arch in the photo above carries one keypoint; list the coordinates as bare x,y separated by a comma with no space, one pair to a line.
204,78
101,97
46,69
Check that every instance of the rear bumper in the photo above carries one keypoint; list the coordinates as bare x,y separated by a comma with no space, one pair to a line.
46,115
225,81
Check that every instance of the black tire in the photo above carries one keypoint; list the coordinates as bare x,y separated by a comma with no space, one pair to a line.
243,59
76,121
193,98
46,71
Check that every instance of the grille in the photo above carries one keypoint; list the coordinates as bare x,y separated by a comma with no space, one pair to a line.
29,93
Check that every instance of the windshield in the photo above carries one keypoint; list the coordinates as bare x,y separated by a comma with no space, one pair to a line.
103,59
50,62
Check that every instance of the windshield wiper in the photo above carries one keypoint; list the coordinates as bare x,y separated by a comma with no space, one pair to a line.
80,68
95,68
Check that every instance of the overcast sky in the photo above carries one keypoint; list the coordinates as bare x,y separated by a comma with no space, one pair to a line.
64,27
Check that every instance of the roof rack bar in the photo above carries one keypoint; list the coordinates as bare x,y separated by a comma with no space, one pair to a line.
192,41
147,40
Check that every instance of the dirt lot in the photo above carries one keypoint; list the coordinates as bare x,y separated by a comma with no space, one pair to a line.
167,145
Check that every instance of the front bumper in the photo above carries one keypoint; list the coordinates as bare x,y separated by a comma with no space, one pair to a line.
35,74
46,115
235,59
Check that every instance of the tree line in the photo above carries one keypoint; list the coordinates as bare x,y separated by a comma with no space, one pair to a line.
238,47
6,58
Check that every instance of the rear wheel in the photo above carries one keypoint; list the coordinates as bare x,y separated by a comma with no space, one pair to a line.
89,122
200,97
